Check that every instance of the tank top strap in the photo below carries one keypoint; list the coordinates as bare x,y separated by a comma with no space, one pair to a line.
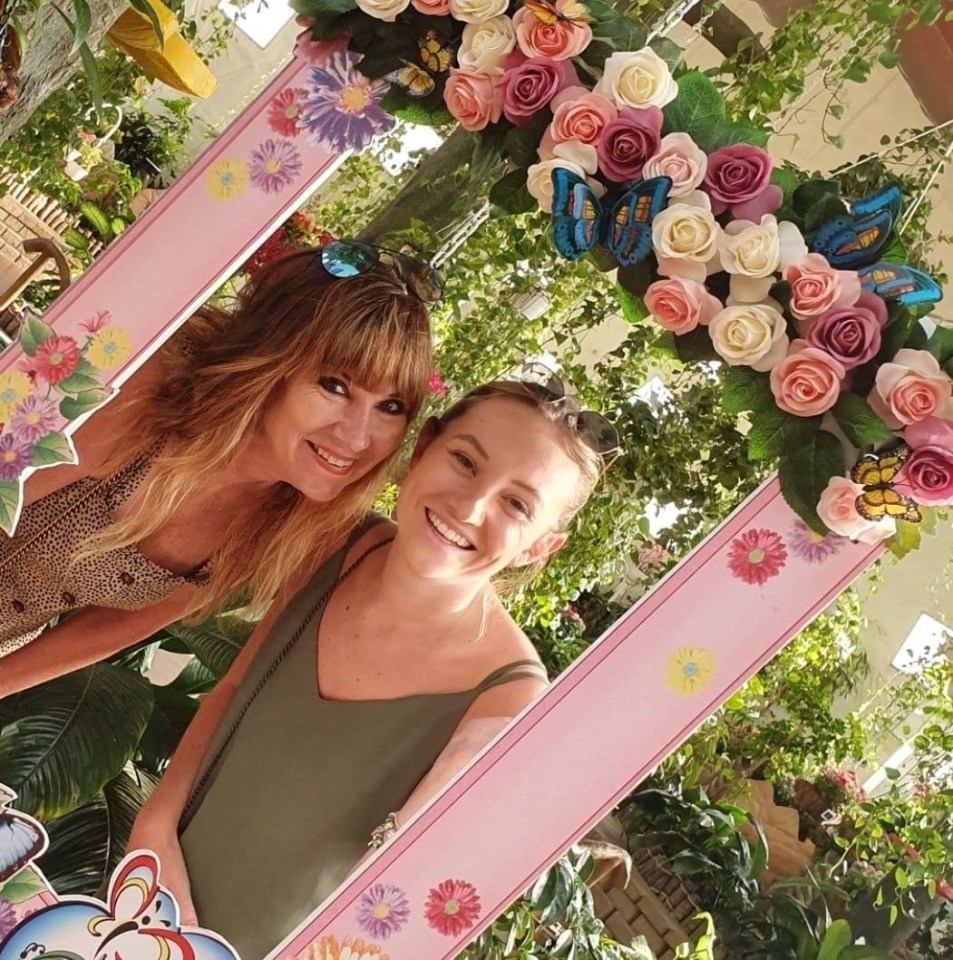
517,670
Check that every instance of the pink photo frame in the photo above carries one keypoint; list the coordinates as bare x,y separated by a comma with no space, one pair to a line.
628,701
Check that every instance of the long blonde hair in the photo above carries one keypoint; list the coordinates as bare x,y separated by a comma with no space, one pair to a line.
220,373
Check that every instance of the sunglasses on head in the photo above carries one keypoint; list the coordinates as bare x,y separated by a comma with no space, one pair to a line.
597,432
350,258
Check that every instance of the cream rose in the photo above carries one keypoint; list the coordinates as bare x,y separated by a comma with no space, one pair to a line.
486,45
685,238
477,11
750,335
383,9
639,78
753,250
539,179
681,160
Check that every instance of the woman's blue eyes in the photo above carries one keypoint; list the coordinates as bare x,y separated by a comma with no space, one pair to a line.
468,465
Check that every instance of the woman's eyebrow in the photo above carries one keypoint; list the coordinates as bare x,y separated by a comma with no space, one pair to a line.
476,443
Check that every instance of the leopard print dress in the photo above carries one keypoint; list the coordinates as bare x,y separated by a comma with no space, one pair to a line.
36,581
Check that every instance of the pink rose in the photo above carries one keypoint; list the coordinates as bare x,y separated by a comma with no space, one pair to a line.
473,99
681,305
739,178
817,287
432,8
558,41
579,116
807,381
681,160
850,334
528,86
910,388
628,141
837,509
927,476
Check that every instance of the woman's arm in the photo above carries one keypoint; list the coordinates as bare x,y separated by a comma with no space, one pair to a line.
156,827
90,635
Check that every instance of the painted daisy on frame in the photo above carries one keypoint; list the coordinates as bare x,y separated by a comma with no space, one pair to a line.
108,348
284,112
226,179
452,907
757,556
35,417
14,386
340,107
274,165
812,546
689,670
382,910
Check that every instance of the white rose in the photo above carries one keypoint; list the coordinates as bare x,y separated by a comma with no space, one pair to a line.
477,11
685,238
752,335
383,9
639,78
753,250
579,154
486,45
793,247
742,289
539,180
681,160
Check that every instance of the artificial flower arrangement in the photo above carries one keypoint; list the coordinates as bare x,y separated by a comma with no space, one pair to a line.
805,297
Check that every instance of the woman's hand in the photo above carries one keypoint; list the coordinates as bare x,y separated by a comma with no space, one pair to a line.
150,833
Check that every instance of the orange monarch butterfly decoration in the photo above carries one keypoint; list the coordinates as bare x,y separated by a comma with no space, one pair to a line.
569,10
435,58
875,472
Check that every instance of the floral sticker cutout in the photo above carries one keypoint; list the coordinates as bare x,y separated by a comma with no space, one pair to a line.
689,670
61,381
274,165
812,546
757,556
340,107
382,910
350,948
452,907
226,179
284,111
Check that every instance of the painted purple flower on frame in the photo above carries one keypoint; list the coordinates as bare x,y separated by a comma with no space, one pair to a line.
274,165
14,456
8,917
382,910
811,546
340,107
35,417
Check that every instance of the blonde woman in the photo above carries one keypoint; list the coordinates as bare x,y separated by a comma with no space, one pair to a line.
241,454
391,667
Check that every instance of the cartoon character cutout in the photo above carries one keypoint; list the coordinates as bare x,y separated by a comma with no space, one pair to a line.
139,921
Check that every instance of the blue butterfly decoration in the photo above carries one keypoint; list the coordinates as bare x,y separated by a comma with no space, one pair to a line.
581,221
21,837
854,240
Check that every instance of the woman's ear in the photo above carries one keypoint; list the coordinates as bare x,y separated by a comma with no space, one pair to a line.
428,433
544,547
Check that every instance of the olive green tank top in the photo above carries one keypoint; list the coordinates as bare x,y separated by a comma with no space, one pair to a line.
293,783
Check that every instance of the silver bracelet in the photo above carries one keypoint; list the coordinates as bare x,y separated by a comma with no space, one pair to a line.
380,835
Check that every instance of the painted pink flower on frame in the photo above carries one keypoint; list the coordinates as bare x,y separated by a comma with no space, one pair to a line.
284,112
15,455
56,358
274,165
97,321
382,910
757,556
35,417
452,907
810,545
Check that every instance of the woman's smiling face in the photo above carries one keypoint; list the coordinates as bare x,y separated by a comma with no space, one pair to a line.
487,492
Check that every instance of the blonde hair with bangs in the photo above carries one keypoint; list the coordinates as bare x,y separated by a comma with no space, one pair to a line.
220,374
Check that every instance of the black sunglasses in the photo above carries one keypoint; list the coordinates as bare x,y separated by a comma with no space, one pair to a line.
597,432
350,258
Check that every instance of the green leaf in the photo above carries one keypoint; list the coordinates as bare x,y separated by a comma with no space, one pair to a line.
929,12
521,144
861,952
860,424
787,180
635,278
837,936
805,473
905,540
147,10
83,377
811,192
940,344
53,448
621,33
510,194
172,713
889,59
76,862
746,389
97,219
75,406
486,160
215,641
695,346
667,49
34,332
826,208
23,885
766,436
633,308
93,78
896,333
726,134
312,8
81,25
9,504
71,736
697,110
881,13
